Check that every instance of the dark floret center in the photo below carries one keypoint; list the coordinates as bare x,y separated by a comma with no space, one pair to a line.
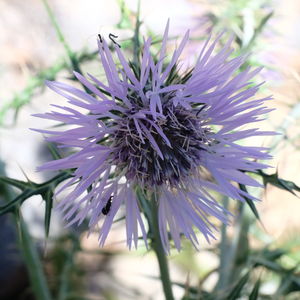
141,160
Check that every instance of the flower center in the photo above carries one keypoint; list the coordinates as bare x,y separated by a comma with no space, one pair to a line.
171,153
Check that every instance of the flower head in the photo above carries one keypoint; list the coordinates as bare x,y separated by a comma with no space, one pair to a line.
149,128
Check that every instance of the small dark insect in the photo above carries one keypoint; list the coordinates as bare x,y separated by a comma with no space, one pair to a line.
106,208
111,36
200,110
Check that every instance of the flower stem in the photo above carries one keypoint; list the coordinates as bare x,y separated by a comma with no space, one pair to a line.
157,246
136,41
33,263
71,54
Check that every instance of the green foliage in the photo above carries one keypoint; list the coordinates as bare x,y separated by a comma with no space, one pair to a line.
29,189
255,292
249,202
66,272
34,266
238,287
36,83
26,243
283,184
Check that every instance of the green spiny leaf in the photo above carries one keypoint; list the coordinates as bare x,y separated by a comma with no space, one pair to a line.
249,202
237,289
280,183
290,282
268,264
33,189
255,291
273,254
289,185
22,185
48,197
11,205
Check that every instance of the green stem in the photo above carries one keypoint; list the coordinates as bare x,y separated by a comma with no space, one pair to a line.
33,263
71,55
64,287
59,33
136,41
157,246
224,262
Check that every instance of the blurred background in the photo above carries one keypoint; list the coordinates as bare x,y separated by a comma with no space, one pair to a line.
75,267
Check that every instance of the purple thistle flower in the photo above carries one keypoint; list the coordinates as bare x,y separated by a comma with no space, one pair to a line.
154,130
